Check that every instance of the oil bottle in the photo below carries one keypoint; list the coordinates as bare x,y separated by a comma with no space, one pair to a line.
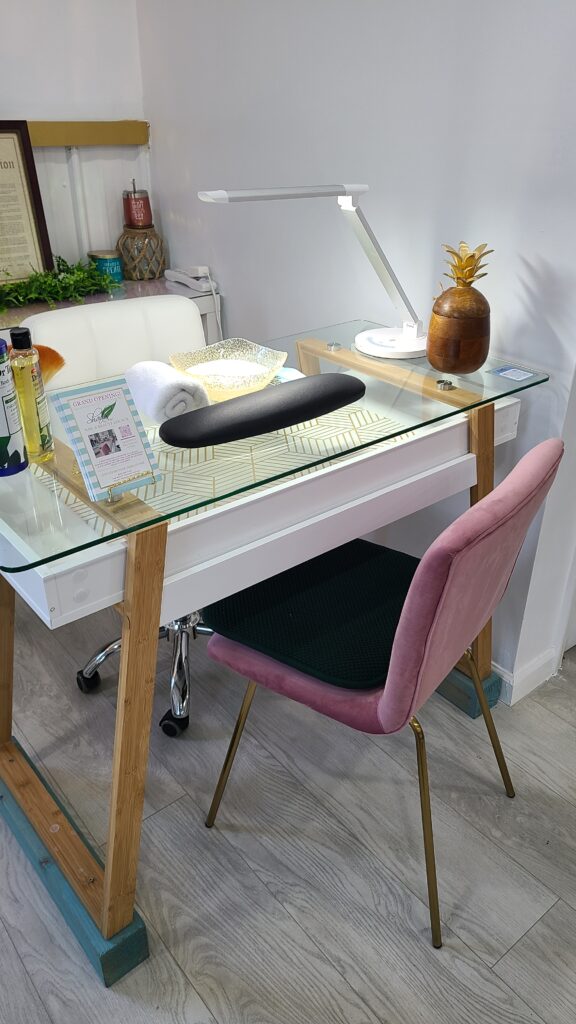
12,450
25,363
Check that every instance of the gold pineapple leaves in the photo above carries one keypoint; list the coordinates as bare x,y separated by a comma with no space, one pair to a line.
465,264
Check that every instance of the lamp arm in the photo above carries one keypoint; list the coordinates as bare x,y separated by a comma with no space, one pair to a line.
245,195
373,250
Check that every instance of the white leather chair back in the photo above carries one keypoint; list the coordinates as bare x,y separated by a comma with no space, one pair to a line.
105,338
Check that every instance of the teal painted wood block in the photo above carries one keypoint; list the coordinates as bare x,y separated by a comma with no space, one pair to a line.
459,690
111,958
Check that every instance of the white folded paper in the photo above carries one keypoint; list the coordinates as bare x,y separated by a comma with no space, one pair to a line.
162,392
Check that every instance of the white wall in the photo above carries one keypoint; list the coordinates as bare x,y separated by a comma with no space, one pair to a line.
70,60
76,60
460,119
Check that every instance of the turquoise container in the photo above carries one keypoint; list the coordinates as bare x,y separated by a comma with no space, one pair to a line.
108,261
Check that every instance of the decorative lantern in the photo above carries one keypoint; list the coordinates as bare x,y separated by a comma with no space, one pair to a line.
141,247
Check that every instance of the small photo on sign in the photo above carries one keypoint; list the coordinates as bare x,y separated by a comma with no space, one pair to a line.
105,442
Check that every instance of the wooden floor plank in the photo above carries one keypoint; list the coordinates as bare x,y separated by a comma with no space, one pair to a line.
340,918
534,737
156,992
559,693
539,741
537,829
485,897
248,958
543,966
19,1001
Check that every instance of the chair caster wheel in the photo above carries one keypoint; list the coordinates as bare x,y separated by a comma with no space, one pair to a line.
172,726
87,683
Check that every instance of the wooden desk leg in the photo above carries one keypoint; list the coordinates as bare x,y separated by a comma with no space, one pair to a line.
142,601
481,443
308,363
6,659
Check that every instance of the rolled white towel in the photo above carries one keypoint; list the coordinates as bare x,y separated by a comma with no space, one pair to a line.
161,392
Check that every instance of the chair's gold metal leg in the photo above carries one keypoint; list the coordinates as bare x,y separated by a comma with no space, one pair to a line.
427,830
490,725
231,754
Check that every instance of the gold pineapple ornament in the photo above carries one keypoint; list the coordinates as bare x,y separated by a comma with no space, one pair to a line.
459,332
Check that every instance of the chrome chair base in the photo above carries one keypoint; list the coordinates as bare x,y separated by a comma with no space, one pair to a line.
180,632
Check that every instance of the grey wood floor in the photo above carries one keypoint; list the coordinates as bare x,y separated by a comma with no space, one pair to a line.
306,904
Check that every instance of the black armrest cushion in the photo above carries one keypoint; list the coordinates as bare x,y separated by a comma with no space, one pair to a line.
272,408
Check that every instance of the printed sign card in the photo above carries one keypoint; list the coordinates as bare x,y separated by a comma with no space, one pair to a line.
106,433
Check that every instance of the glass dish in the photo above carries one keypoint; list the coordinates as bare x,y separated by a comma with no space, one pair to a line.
231,368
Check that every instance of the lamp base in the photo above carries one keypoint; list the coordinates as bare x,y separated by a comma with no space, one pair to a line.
391,343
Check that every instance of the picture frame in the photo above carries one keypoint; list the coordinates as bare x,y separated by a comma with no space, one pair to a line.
24,243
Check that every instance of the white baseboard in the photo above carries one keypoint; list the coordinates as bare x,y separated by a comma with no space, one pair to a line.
520,683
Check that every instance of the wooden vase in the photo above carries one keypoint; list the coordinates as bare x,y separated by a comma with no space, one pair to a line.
459,332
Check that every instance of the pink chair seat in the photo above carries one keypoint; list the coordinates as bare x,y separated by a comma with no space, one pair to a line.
310,617
419,618
357,708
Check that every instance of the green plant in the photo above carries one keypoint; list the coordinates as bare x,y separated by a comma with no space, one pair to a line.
68,282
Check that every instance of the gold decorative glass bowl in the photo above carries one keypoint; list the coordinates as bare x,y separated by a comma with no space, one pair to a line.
230,368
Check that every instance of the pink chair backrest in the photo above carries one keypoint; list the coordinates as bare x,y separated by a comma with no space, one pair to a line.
459,582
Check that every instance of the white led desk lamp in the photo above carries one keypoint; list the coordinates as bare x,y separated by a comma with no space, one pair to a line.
403,342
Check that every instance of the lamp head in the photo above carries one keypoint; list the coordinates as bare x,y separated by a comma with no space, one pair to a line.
219,196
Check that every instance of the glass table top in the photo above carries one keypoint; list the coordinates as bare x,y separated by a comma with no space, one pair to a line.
45,513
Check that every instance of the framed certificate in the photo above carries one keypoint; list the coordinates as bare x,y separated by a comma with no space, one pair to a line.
24,245
107,436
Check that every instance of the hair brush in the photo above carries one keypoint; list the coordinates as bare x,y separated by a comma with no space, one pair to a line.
50,361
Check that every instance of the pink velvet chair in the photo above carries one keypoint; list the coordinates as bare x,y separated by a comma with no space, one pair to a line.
365,635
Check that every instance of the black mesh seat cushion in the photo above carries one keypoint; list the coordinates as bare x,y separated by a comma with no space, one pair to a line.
333,617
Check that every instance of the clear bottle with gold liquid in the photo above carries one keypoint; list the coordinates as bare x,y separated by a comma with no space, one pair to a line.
25,363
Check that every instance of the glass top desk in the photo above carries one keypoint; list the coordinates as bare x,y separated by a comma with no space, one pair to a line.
46,515
238,513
